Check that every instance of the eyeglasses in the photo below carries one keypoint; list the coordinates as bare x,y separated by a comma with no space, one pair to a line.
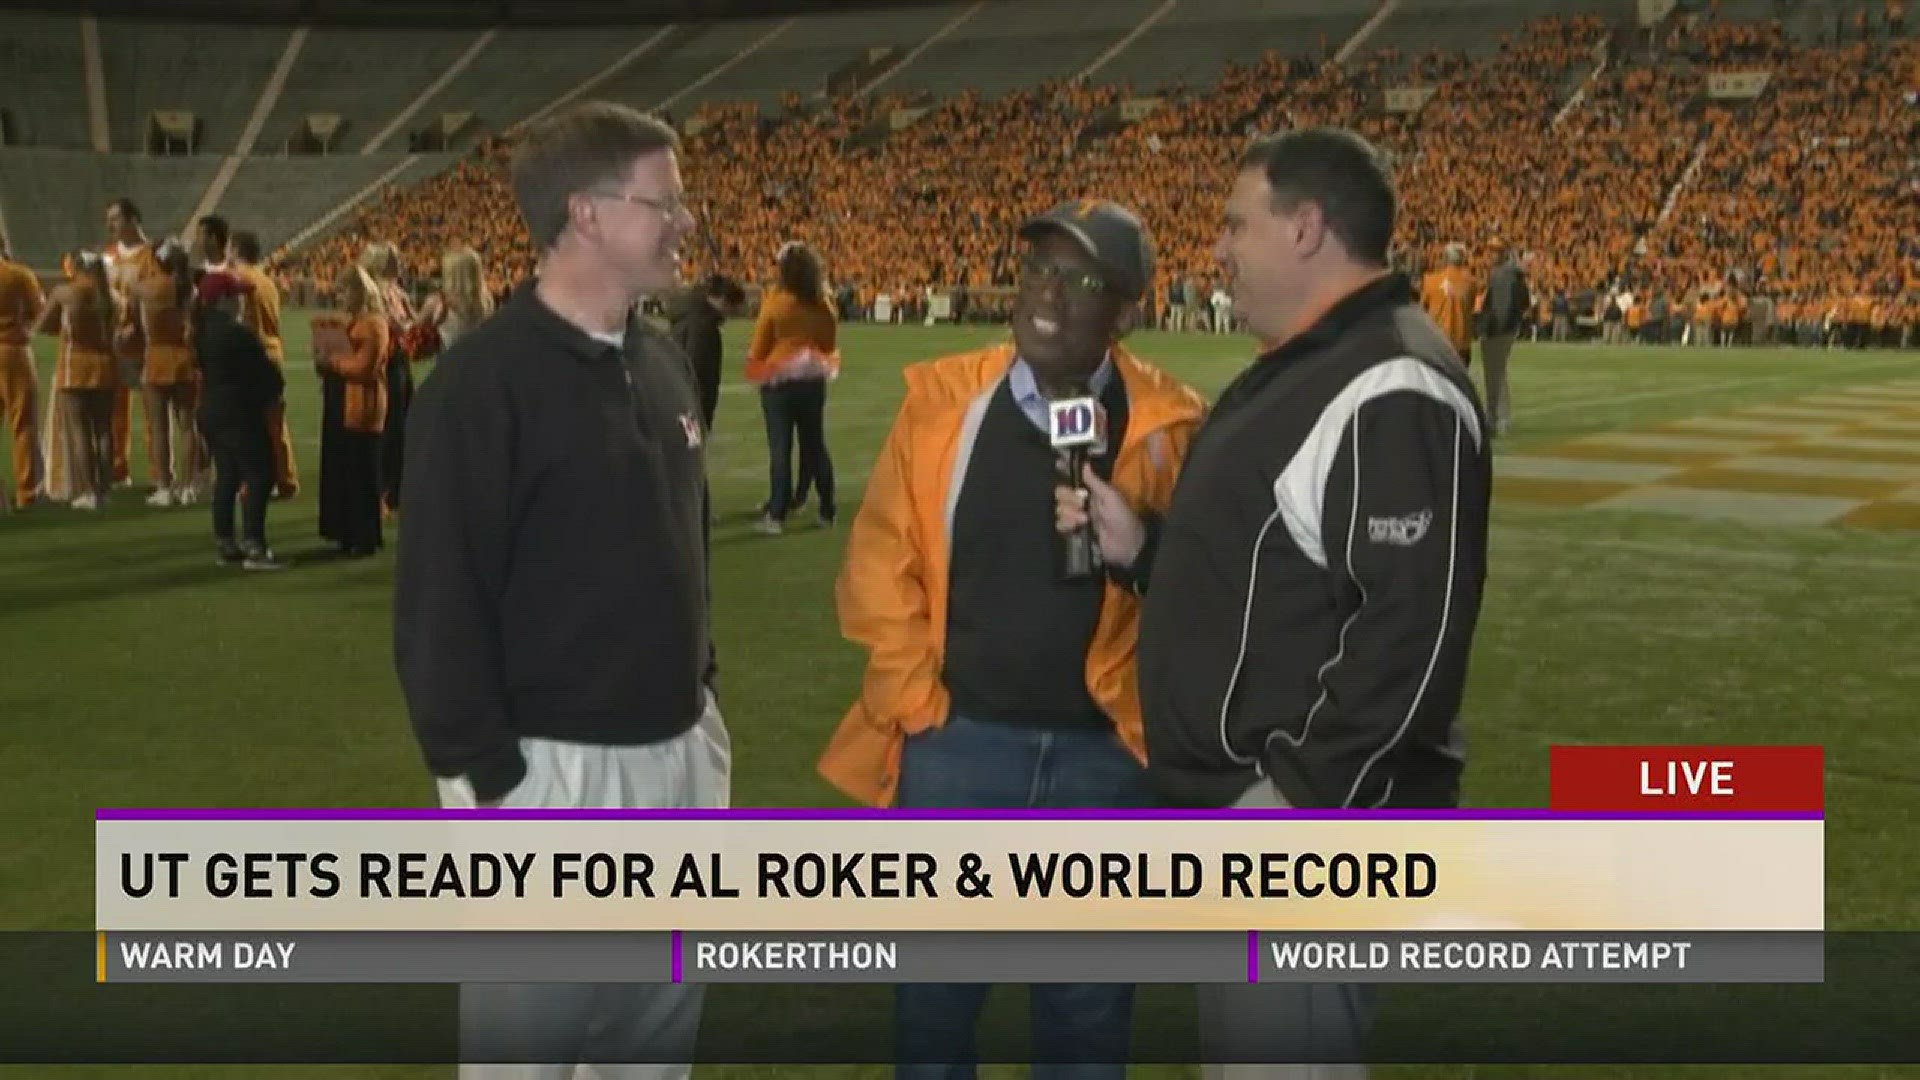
1037,272
671,207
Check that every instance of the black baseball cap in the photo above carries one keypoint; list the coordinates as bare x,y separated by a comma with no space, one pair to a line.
1110,233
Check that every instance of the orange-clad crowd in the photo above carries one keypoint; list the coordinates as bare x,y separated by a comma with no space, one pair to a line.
1805,194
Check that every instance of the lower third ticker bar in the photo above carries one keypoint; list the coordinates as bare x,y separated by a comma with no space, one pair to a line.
936,956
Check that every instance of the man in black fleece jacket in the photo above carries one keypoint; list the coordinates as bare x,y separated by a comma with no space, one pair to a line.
550,616
1312,593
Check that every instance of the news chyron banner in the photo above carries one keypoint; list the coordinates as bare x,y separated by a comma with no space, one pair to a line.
1650,865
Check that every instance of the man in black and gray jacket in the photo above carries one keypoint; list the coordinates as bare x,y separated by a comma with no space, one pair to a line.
1312,592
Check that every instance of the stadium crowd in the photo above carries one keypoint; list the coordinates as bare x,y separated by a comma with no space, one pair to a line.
1806,195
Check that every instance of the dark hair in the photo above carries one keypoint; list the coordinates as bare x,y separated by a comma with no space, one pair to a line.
1343,173
215,225
246,244
587,146
726,290
126,207
180,269
802,274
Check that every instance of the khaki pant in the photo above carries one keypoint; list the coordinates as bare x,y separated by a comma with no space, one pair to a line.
584,1022
1279,1020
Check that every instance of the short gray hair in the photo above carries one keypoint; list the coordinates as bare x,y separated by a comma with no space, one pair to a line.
589,145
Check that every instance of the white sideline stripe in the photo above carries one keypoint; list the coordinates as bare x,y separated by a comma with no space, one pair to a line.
1698,388
453,71
1531,467
1749,506
1778,429
1837,468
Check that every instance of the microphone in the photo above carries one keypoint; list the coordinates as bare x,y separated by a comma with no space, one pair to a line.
1077,427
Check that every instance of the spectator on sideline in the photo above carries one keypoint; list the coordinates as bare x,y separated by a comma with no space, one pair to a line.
351,359
550,612
1507,307
260,312
462,301
239,383
992,680
1311,597
794,355
697,320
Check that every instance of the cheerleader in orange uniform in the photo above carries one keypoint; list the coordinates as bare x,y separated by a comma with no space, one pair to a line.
168,379
83,313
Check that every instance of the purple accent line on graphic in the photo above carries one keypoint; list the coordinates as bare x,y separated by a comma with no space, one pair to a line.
676,956
404,813
1253,956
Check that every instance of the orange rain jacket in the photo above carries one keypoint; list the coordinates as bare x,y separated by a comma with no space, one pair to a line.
892,590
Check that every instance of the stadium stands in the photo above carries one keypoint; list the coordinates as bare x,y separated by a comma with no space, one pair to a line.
44,89
801,58
57,199
366,76
687,55
1556,125
215,72
1015,46
523,69
1199,38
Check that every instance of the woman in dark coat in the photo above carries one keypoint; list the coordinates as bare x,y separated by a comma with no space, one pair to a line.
350,355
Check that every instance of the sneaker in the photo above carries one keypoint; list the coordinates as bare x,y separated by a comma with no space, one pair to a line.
826,518
230,553
85,502
160,499
186,496
768,525
260,557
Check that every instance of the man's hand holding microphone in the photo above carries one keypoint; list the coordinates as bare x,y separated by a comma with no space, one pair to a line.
1119,531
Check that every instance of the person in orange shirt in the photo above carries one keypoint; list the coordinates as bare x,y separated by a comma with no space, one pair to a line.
1448,294
20,304
794,354
83,312
168,377
130,261
994,678
260,312
351,357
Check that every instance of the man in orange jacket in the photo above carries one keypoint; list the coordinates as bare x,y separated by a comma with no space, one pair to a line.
993,679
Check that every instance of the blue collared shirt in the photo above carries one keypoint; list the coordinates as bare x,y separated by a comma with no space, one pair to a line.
1027,394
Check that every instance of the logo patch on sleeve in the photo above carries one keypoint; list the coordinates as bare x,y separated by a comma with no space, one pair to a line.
1403,531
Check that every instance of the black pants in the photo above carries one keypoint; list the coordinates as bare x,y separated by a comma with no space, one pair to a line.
349,476
797,407
393,438
242,454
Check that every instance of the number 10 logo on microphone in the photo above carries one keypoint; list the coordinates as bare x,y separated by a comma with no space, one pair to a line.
1077,424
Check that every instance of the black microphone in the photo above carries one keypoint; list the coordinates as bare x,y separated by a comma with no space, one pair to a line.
1077,427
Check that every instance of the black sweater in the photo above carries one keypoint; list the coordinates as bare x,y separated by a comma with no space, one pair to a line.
237,378
1312,599
553,565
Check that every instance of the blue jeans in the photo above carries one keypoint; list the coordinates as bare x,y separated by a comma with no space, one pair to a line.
1080,1031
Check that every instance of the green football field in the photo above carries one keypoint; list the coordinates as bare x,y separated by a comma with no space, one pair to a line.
1689,546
